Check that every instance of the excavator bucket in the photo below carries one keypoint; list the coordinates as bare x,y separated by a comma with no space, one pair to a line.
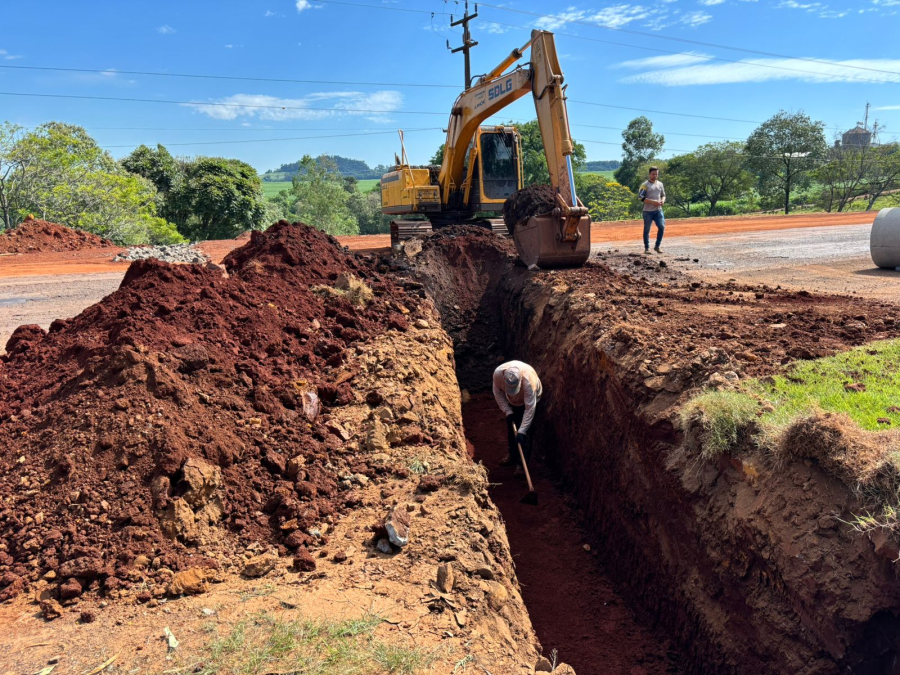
551,240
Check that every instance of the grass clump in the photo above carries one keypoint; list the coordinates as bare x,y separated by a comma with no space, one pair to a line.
347,286
841,411
266,644
716,422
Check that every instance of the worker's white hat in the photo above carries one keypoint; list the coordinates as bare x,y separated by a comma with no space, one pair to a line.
513,380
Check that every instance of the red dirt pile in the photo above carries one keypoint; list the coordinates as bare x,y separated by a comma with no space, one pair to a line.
527,202
41,236
181,410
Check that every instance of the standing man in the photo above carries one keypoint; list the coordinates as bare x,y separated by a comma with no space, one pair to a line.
517,391
653,194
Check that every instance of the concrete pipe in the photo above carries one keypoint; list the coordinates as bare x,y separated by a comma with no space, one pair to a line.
884,243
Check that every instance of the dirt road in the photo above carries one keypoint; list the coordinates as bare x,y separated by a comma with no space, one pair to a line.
826,259
797,251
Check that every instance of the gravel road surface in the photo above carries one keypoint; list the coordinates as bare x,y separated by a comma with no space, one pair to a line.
41,299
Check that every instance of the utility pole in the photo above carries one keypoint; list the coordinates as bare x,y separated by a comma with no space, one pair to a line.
468,43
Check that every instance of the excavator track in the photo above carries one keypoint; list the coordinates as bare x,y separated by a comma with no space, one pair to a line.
401,230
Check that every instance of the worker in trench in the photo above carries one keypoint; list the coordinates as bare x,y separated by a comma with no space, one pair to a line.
517,390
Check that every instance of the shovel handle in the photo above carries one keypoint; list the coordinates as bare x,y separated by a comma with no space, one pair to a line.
522,457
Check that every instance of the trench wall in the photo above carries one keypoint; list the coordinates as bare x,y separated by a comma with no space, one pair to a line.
747,566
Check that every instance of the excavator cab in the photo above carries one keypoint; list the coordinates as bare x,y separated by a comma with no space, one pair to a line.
499,167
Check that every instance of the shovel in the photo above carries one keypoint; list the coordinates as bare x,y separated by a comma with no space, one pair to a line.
532,497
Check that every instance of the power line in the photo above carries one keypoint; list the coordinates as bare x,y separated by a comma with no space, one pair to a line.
223,105
663,112
271,140
343,110
346,110
113,71
665,133
623,44
699,43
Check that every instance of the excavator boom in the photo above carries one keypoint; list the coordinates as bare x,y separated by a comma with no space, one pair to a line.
559,237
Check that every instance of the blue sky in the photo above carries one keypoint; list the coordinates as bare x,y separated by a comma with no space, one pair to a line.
657,65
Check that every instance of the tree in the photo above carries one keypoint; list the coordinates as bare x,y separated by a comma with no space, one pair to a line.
783,151
605,199
366,209
842,176
218,199
10,168
639,146
716,171
534,159
884,172
158,166
438,157
60,173
318,198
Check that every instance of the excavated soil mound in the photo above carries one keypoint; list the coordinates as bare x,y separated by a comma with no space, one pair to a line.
527,202
182,410
41,236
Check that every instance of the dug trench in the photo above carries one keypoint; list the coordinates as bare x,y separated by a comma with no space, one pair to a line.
745,564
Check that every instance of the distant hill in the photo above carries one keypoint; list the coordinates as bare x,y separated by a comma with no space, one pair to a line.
602,165
345,166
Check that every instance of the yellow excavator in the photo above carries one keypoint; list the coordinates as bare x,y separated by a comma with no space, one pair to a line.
482,165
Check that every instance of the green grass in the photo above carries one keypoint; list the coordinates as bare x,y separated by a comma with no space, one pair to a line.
805,388
718,421
783,415
607,174
272,188
265,644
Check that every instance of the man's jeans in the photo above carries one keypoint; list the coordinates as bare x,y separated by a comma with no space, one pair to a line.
660,219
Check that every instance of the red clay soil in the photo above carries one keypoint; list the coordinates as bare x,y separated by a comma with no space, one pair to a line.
527,202
41,236
571,600
166,415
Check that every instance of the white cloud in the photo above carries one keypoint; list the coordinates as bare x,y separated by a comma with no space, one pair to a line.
615,16
269,12
694,19
6,56
668,61
165,29
495,28
822,10
272,108
760,70
303,4
888,107
710,3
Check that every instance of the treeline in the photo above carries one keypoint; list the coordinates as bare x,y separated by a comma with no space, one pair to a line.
784,164
57,172
602,165
355,168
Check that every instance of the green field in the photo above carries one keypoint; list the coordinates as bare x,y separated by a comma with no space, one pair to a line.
606,174
272,188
